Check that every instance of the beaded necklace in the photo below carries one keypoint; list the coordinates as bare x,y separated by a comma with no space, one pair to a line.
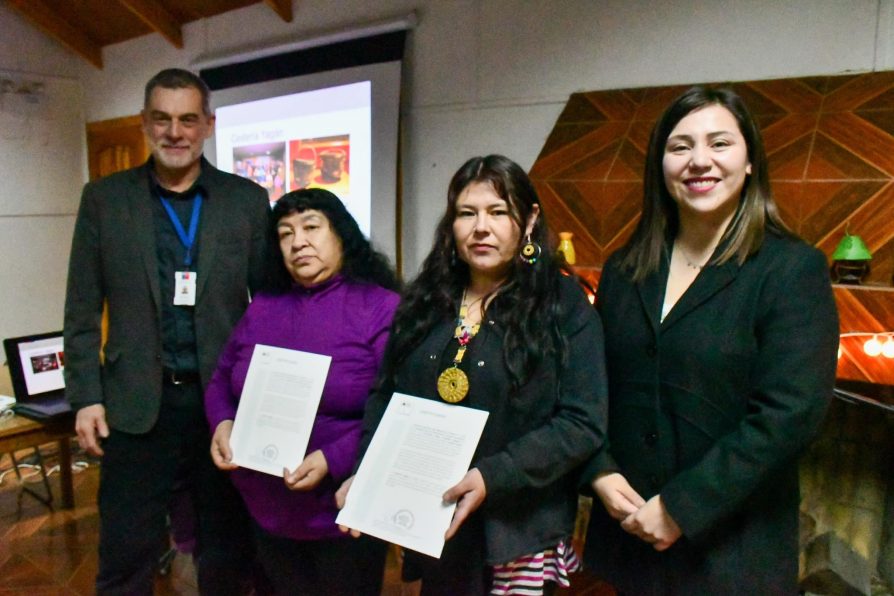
453,383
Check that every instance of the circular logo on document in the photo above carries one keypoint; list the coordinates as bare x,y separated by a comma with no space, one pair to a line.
403,519
270,452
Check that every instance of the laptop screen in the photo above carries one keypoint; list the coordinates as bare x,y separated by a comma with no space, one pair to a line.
36,365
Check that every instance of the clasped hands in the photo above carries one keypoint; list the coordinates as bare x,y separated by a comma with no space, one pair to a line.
306,476
647,520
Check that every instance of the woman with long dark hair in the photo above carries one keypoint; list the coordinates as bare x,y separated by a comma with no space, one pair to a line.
721,339
492,323
328,292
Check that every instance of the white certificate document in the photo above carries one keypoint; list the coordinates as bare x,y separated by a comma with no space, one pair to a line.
421,448
277,409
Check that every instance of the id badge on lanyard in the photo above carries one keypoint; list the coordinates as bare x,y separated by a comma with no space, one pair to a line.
185,280
184,288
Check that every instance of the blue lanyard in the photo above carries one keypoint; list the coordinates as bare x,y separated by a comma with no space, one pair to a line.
187,241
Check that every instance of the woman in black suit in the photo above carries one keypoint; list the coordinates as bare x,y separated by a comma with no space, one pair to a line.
721,339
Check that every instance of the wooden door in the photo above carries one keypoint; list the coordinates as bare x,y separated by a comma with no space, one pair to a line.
115,145
112,146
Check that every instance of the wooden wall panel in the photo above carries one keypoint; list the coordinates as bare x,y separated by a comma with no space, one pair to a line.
869,310
830,141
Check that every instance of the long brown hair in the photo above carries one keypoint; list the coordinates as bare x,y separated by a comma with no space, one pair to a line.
757,211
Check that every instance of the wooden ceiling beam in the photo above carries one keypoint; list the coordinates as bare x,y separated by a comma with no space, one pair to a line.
157,16
46,19
281,7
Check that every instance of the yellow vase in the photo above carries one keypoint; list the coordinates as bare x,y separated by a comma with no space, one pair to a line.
566,247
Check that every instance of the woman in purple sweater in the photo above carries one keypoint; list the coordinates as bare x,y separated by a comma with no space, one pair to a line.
328,293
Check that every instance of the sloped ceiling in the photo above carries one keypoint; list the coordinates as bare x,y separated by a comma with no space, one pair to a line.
86,26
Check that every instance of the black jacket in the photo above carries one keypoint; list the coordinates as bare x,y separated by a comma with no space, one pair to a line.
534,442
710,408
114,260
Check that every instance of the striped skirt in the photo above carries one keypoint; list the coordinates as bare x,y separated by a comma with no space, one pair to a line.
527,575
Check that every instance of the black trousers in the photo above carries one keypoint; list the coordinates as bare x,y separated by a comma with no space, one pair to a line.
137,478
335,567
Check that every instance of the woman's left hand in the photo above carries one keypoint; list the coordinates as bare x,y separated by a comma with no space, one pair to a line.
469,493
309,474
653,524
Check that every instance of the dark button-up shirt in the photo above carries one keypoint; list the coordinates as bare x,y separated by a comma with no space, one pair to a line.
178,333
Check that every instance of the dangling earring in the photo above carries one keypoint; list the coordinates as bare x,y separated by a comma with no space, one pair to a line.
453,257
530,251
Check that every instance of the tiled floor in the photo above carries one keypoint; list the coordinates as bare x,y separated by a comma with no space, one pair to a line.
49,553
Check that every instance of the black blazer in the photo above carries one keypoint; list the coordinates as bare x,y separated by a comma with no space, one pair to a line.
114,259
710,408
532,441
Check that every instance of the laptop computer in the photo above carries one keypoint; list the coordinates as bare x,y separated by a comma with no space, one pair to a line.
36,365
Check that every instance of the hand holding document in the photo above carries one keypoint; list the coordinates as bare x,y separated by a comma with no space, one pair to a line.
277,408
420,449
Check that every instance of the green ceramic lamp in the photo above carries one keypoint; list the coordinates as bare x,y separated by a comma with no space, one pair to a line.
851,260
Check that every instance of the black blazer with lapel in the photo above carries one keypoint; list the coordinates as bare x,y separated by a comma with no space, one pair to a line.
114,259
710,408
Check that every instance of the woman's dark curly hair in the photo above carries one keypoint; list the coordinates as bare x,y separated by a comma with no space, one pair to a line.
527,303
359,261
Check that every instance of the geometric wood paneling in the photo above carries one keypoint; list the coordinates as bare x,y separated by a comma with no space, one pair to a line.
830,142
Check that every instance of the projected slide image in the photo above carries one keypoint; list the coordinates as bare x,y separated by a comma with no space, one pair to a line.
321,137
321,162
265,164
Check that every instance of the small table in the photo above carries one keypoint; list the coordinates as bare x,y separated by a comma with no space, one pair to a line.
18,432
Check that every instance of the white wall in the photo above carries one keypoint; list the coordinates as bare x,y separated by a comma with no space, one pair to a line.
42,167
492,75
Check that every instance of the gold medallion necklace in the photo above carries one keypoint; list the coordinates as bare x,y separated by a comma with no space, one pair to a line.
453,384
